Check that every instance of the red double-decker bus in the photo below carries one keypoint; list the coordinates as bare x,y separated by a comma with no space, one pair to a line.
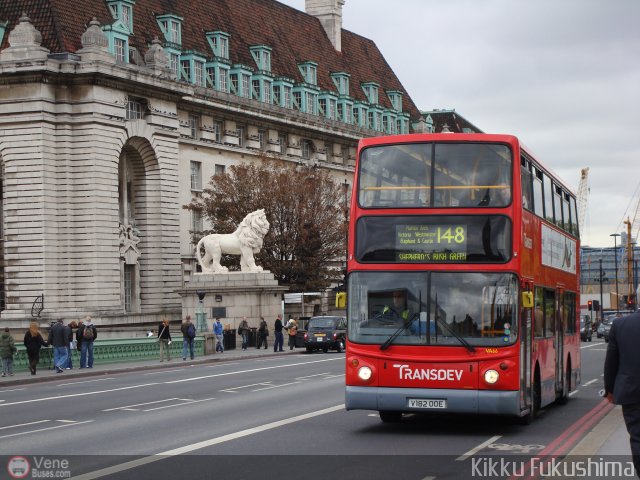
463,279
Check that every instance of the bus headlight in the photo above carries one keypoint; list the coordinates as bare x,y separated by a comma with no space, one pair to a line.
364,373
491,376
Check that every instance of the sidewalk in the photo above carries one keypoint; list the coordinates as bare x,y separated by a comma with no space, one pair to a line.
44,375
608,437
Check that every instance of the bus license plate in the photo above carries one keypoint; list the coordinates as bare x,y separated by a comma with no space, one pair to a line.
426,403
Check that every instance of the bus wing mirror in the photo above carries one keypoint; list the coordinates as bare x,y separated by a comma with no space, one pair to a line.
527,299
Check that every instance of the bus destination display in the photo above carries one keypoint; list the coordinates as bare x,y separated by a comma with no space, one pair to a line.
431,243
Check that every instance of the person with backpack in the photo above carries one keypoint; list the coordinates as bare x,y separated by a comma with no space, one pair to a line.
188,330
7,351
87,333
292,328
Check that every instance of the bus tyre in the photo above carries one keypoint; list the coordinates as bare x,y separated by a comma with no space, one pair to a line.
390,417
535,401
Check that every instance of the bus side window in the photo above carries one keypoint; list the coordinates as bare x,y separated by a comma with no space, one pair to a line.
527,195
538,314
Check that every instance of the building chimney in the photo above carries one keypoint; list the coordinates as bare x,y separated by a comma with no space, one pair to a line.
329,12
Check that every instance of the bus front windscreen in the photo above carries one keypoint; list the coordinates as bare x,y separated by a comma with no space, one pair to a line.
433,308
435,175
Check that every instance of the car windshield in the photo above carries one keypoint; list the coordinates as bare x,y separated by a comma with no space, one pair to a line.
433,308
321,323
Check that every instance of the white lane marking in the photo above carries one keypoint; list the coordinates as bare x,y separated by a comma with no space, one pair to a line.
186,402
222,365
333,376
233,389
66,421
429,478
590,382
164,371
25,424
311,376
192,379
571,394
204,444
476,449
140,404
274,386
71,395
85,381
12,390
591,345
45,429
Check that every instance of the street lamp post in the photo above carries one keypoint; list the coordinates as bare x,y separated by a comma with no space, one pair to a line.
345,186
601,304
615,256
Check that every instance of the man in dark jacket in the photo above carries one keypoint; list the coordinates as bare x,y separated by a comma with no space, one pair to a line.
279,339
622,376
59,340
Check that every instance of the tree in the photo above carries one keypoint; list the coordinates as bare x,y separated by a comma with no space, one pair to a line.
304,206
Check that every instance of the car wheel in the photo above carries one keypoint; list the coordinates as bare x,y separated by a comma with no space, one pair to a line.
309,350
325,349
339,347
390,417
590,338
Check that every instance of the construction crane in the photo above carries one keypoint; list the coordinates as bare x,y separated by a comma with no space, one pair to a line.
633,229
583,195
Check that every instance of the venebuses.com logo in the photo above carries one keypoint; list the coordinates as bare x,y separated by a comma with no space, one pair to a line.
38,467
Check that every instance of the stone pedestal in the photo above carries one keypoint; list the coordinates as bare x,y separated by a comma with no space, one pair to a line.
233,295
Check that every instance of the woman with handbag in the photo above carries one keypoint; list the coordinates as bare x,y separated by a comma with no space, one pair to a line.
164,337
34,342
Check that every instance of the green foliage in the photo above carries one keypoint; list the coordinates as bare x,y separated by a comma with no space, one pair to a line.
305,209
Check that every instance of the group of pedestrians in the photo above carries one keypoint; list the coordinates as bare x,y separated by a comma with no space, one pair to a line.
188,330
61,339
278,345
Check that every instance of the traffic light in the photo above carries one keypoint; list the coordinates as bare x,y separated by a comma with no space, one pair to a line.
596,305
590,305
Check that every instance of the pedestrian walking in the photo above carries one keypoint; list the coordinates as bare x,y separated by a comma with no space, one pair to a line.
263,333
7,351
164,337
279,339
218,331
71,345
244,330
188,330
59,340
622,376
292,329
33,341
87,335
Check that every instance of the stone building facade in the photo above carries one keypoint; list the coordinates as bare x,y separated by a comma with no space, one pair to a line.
115,114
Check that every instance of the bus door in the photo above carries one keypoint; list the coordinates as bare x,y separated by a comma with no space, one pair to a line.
526,335
558,343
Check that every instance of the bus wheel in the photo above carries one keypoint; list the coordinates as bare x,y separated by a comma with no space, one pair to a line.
390,417
535,401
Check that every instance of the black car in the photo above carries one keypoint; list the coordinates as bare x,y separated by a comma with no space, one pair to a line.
586,330
325,333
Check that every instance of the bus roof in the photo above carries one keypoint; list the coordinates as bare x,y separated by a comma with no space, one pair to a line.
459,138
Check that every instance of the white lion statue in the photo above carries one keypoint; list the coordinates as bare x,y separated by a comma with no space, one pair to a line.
245,241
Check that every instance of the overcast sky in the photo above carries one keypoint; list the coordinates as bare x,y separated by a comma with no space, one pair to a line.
562,75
